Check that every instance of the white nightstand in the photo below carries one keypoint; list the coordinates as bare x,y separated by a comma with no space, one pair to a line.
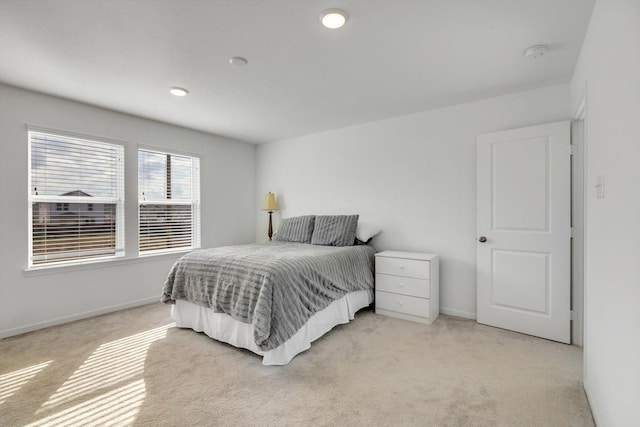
407,285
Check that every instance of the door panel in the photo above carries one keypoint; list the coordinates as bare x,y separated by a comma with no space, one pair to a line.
520,185
524,213
521,280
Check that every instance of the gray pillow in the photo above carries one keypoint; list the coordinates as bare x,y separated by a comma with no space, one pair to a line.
296,229
335,230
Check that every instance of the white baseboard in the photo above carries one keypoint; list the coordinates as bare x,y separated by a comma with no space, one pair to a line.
458,313
78,316
594,414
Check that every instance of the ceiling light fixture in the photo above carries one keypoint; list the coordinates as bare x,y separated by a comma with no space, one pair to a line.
238,60
333,18
536,51
178,91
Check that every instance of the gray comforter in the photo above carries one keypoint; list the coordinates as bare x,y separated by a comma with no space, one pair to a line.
275,286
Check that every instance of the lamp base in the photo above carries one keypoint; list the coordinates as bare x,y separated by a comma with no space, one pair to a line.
270,230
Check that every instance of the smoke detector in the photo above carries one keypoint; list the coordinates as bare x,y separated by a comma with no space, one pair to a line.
238,61
536,51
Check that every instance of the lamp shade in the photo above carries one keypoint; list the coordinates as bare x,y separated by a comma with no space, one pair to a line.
270,202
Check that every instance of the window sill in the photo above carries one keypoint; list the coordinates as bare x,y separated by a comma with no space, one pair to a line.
103,263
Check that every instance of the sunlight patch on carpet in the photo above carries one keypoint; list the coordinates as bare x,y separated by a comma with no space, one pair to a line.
118,364
11,382
117,407
112,363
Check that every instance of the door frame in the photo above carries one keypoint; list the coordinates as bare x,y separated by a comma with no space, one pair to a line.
578,221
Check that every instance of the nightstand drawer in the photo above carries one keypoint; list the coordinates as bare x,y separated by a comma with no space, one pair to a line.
402,285
402,304
403,267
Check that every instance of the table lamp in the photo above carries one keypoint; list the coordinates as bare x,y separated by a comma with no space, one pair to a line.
270,205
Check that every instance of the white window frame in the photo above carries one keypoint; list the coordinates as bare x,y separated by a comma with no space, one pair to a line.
194,202
118,200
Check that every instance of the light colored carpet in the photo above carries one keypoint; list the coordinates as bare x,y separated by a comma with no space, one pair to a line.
132,368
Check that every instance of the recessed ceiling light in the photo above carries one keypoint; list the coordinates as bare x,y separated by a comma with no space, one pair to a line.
536,51
238,60
333,18
178,91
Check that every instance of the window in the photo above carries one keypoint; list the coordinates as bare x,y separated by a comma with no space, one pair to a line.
169,201
66,175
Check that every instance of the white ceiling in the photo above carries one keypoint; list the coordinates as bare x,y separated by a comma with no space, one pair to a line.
391,58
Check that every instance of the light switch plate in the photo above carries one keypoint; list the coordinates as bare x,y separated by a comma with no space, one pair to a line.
600,187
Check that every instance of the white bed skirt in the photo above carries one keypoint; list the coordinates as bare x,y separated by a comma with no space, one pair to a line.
223,327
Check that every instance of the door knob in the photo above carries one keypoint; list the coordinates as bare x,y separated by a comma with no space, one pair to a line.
482,239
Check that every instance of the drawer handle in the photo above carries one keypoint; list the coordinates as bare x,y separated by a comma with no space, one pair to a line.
400,302
401,267
401,285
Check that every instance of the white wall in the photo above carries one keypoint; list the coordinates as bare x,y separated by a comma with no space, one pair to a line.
414,175
30,300
609,68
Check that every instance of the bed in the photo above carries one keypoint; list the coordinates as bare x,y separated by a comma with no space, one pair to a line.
272,298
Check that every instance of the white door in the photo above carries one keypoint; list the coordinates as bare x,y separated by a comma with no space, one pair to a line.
524,230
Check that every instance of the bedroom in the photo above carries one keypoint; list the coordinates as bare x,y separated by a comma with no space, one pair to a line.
418,166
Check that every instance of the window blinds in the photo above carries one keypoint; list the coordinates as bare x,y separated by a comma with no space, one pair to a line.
169,202
76,198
